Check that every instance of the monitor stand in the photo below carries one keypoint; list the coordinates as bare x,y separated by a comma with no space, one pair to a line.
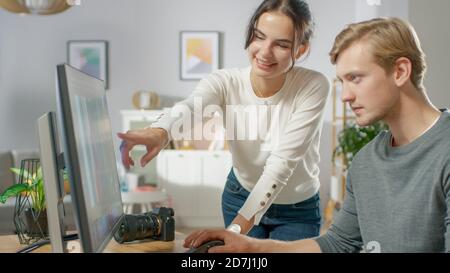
52,164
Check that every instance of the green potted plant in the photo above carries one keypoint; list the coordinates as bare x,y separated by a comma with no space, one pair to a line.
352,138
31,189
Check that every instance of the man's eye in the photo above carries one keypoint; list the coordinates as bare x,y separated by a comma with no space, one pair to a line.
283,46
354,78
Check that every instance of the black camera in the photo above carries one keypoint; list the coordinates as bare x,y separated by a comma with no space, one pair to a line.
158,224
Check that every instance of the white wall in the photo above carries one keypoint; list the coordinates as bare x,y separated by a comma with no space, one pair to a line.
144,50
364,11
143,37
328,23
431,21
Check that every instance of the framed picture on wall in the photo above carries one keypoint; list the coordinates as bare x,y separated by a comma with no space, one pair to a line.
199,54
90,57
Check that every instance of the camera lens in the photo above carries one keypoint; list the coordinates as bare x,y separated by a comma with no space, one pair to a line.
138,227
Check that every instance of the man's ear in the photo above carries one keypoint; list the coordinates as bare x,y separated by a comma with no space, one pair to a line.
301,50
402,71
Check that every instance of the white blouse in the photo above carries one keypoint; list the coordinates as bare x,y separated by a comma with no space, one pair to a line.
278,167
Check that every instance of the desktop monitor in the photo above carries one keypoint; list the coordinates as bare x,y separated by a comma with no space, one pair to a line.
89,157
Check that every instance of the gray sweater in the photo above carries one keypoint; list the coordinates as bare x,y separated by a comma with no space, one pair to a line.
397,198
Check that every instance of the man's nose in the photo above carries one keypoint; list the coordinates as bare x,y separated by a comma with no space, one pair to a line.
347,94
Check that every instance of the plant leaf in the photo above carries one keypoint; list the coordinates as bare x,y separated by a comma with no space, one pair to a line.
41,194
13,190
17,171
33,184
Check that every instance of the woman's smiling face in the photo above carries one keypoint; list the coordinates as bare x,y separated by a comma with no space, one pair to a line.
270,51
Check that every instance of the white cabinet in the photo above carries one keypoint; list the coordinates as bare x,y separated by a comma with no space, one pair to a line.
194,180
215,169
181,179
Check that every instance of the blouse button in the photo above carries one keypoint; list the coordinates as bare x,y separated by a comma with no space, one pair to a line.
262,203
268,195
274,186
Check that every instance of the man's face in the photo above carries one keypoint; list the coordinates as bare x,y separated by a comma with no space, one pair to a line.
369,90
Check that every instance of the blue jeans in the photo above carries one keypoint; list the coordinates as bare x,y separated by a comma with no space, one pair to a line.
280,222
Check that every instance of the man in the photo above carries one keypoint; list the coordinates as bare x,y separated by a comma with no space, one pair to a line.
398,187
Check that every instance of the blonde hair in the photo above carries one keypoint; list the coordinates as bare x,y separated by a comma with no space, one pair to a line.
390,39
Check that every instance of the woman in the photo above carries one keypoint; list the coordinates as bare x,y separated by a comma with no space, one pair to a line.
272,189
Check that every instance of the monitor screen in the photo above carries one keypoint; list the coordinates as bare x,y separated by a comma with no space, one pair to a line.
89,156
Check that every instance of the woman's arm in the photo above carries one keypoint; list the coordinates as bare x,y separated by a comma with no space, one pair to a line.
244,224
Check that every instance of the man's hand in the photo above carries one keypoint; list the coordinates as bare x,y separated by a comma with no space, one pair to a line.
154,140
241,243
233,242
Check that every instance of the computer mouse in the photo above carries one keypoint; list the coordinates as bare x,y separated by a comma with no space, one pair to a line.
203,248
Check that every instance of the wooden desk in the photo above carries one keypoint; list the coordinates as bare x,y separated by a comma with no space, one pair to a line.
10,243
